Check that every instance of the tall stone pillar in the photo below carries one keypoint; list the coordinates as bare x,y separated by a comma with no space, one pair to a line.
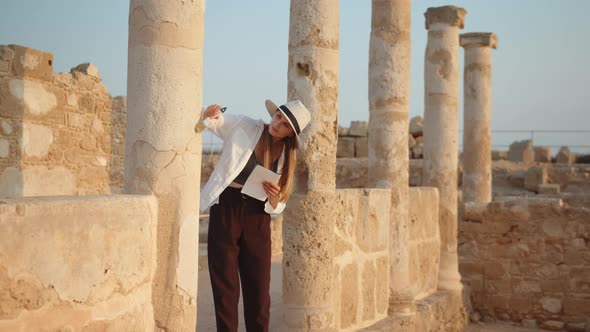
163,153
441,96
389,90
477,111
308,227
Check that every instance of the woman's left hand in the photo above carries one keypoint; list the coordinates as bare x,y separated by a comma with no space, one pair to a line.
272,190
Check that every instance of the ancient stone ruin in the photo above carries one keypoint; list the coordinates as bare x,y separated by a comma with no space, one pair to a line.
390,227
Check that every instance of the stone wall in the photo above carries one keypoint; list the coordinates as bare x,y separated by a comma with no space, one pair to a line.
528,260
361,257
424,241
77,263
58,133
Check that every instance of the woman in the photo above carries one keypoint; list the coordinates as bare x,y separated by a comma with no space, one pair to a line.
239,225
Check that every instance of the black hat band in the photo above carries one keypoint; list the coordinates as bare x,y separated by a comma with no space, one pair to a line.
291,117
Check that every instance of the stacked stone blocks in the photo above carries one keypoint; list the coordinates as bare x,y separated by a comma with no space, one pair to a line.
527,260
59,134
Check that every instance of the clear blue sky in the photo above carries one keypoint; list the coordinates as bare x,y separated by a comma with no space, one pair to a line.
540,69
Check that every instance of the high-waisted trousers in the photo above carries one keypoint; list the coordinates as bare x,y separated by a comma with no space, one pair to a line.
239,249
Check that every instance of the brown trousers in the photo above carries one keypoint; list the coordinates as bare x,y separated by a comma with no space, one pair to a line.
239,249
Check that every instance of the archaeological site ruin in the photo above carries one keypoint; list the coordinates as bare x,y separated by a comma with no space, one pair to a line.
391,227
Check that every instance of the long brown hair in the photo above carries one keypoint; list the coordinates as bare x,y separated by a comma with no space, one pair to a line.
264,149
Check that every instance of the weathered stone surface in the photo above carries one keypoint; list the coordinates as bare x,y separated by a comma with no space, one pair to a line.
160,122
441,99
543,154
342,131
526,254
521,151
417,126
416,172
499,155
564,156
77,270
552,325
411,141
548,188
373,220
6,126
535,176
351,173
358,128
551,305
345,147
86,68
368,291
418,151
4,148
349,296
31,63
361,147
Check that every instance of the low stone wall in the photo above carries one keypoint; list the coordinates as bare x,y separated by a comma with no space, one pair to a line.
528,260
60,134
361,257
77,263
424,241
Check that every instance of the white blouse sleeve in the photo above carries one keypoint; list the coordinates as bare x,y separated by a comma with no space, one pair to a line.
224,126
278,210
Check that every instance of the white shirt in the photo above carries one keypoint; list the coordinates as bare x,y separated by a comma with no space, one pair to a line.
240,134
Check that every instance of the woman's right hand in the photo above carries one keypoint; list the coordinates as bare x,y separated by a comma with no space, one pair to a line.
212,111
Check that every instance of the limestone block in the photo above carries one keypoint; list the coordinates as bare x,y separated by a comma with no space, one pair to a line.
34,95
358,128
564,156
342,131
11,182
4,148
420,140
554,325
381,283
345,148
6,126
547,188
351,172
372,225
424,240
551,304
411,141
348,295
499,155
31,63
36,140
361,147
77,272
368,291
535,176
543,154
521,151
416,166
86,68
75,120
418,151
417,126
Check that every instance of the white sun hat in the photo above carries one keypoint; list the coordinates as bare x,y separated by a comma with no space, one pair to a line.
295,112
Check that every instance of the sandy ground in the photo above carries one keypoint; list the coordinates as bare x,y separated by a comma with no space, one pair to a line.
497,327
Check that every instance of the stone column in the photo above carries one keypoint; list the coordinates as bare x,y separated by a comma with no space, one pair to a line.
477,110
163,153
308,227
441,95
389,90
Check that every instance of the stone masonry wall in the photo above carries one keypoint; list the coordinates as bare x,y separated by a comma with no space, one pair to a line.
77,263
56,130
361,256
528,260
